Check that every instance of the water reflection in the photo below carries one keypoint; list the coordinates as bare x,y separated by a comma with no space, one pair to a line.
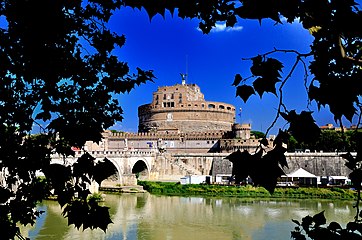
149,217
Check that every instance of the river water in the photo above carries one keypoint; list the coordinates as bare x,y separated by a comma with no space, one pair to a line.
149,217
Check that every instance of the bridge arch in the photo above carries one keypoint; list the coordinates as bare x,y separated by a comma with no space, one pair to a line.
118,169
141,169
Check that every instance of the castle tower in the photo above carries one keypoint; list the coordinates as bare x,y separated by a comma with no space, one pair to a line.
242,131
183,108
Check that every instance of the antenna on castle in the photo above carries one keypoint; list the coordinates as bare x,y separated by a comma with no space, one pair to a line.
240,110
187,67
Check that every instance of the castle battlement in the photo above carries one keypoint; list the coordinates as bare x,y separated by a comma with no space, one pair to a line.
164,135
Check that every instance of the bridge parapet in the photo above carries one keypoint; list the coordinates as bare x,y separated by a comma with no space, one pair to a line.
110,153
317,154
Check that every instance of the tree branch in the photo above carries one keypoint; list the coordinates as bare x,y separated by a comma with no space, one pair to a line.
344,55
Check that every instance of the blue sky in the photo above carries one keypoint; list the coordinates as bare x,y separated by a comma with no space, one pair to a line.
172,46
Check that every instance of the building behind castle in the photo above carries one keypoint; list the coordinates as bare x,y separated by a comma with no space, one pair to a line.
180,120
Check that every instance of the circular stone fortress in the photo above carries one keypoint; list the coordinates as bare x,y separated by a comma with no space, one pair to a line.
182,108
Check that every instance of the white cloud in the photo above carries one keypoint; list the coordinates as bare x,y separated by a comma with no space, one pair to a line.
221,27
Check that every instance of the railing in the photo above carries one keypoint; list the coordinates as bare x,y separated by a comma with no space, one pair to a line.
111,153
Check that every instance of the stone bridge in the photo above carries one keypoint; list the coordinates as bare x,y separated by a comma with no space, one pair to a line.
152,165
127,163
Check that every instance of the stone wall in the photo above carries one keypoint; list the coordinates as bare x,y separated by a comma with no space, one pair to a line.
182,107
172,142
187,119
319,164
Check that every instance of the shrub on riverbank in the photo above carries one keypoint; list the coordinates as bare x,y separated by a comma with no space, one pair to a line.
171,188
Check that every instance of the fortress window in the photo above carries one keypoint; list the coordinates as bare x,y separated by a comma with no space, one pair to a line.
172,96
196,105
221,107
164,96
228,108
164,104
156,97
189,105
211,106
202,105
172,104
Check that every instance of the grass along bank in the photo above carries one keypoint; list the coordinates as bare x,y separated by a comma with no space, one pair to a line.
171,188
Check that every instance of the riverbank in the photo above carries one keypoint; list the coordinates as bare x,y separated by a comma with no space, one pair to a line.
177,189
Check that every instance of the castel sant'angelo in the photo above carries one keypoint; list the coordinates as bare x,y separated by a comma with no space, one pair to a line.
180,120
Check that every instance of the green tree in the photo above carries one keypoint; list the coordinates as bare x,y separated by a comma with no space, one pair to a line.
332,68
56,56
328,141
257,134
57,69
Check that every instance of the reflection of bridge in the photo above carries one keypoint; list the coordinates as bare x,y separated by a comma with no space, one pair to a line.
126,163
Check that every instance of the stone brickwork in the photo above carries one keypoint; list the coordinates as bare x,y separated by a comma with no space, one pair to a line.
172,142
319,164
182,108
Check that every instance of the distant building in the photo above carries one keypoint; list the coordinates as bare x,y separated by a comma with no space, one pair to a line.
180,120
182,108
330,126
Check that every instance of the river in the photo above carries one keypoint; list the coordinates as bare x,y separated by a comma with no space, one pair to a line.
149,217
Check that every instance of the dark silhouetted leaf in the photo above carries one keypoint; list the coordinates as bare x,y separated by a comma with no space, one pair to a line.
307,221
244,92
237,80
103,169
319,219
265,142
5,194
84,165
334,226
296,222
303,127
